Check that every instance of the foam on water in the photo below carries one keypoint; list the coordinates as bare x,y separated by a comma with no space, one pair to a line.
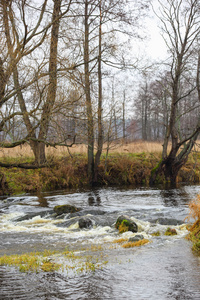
96,234
165,266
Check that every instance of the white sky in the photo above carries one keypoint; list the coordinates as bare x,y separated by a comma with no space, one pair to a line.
155,46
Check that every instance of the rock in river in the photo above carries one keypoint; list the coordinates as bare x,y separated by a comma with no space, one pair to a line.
67,208
125,220
85,222
136,238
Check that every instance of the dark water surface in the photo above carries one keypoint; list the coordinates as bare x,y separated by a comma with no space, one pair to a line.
166,268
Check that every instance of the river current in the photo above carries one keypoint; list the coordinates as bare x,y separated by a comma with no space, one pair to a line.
165,268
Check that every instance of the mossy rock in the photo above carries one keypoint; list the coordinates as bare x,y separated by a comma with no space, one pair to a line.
170,231
126,222
64,209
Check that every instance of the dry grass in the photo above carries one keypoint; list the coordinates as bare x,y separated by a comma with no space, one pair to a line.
194,207
135,244
134,147
194,234
138,147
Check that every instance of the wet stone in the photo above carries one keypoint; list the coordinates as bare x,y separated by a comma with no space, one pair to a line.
123,219
64,209
31,215
85,222
136,238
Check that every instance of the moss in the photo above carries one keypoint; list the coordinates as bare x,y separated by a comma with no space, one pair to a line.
156,167
61,209
157,233
123,227
47,262
124,224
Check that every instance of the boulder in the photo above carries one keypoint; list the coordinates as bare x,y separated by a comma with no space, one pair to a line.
31,215
85,222
64,209
125,220
136,238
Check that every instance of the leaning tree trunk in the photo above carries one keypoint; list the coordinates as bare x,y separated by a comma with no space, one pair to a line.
170,166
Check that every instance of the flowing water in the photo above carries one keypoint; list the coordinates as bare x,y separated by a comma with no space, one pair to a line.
165,268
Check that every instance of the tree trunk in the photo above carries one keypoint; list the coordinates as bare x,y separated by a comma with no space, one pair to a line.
51,95
2,81
39,152
90,122
123,117
100,128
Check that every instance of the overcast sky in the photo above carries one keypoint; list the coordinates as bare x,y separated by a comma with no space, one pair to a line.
155,46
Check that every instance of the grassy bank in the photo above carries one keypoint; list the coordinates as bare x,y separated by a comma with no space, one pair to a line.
125,168
194,234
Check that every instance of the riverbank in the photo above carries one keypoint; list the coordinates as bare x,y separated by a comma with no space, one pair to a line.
71,172
194,234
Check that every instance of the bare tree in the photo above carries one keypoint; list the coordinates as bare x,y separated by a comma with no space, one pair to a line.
100,99
101,19
181,27
24,46
39,150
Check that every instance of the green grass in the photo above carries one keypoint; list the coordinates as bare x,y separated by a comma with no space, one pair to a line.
47,262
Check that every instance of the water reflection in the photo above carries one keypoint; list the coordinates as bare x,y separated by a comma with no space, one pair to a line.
175,197
43,202
94,198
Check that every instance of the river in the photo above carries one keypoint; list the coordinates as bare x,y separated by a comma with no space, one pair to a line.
165,268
